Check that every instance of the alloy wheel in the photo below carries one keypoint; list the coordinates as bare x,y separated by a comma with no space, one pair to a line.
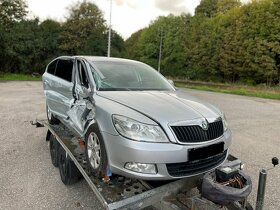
93,150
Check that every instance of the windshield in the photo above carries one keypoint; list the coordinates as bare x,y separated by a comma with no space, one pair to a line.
117,76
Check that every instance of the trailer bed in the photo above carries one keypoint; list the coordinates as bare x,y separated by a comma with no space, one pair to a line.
125,193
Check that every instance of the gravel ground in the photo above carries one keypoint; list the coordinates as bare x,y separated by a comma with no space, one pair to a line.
29,181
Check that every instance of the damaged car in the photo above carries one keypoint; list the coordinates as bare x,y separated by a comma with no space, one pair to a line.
134,122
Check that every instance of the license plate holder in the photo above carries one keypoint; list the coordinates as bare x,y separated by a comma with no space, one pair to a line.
205,152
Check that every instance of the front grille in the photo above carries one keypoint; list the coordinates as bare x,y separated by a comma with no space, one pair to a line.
196,166
195,134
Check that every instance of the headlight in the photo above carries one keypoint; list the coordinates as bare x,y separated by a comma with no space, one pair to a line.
135,130
225,124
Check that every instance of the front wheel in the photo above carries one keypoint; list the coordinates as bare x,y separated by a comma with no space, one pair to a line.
95,153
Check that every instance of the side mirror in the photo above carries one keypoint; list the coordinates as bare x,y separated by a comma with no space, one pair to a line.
82,91
171,82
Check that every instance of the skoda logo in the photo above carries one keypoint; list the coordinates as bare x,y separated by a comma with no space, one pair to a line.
204,125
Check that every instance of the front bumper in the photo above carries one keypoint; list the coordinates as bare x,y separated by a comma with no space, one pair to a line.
121,150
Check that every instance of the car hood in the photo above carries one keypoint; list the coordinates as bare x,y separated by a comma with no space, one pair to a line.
164,106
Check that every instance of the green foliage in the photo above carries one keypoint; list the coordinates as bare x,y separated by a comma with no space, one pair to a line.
144,44
225,41
223,6
49,33
132,45
207,8
85,24
12,11
117,45
27,45
19,77
244,91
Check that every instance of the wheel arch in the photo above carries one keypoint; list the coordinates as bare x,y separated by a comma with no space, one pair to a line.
96,127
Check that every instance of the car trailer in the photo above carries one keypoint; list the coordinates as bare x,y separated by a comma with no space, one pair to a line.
68,153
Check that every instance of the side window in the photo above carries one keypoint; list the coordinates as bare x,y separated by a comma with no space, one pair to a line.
51,67
82,74
64,69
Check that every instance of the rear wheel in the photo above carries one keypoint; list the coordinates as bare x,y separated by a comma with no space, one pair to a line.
95,153
54,149
69,173
52,120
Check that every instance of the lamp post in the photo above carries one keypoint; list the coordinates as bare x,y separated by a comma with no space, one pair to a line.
110,31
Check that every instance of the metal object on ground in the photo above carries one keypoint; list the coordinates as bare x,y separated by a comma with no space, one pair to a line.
261,189
262,184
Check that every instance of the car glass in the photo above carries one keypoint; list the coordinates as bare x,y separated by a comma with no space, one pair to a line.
51,67
64,69
129,76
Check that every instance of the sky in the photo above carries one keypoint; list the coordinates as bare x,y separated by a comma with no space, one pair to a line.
128,16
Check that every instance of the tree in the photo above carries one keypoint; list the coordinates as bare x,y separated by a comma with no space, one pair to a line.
23,47
12,11
48,37
3,47
117,45
85,23
224,6
144,45
132,45
231,49
207,8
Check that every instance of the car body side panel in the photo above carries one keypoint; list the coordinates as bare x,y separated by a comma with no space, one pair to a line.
58,94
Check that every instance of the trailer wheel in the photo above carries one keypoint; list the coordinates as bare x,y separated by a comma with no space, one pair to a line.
96,155
54,149
69,173
51,119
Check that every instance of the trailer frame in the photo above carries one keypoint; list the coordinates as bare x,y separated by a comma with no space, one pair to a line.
164,196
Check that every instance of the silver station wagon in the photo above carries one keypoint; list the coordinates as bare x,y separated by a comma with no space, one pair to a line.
134,121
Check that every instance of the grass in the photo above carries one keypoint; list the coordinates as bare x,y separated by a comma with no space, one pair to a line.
18,77
260,92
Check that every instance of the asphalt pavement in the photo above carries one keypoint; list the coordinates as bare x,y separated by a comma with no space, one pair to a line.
28,179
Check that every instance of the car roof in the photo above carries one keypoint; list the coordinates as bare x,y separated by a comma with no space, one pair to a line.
105,59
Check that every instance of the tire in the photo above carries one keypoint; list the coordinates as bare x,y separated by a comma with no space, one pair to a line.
69,173
51,119
96,156
54,149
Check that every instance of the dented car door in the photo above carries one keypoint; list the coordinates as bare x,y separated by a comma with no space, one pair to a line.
58,86
82,109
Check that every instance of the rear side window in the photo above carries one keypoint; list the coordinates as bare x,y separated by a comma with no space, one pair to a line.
51,67
64,69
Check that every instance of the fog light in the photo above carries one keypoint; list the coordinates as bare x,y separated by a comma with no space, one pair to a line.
144,168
